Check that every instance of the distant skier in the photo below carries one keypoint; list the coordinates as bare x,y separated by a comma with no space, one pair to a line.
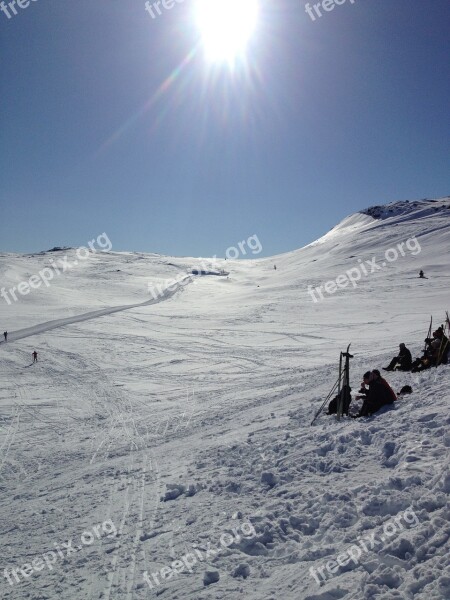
275,267
5,335
34,356
422,275
402,362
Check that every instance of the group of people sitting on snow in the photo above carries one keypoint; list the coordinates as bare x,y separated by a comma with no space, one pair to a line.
436,352
376,391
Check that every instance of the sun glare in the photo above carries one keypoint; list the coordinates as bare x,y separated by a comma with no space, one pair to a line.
225,27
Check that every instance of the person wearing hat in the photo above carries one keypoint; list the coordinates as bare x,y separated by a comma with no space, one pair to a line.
402,362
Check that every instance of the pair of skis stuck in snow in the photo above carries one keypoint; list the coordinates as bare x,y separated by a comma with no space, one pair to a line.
342,386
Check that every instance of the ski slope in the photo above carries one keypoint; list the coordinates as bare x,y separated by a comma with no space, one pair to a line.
183,417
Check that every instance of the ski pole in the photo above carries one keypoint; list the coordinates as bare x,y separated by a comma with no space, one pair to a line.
333,389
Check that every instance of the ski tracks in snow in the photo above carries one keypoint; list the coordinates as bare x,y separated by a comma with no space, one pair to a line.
50,325
140,497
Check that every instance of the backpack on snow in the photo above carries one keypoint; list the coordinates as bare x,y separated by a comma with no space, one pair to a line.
406,389
332,407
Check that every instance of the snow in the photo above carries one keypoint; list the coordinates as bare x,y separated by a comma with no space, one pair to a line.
184,417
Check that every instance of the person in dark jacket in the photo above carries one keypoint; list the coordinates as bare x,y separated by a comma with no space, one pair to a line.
441,356
402,362
386,385
435,353
378,396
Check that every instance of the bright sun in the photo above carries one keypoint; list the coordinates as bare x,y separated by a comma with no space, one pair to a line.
226,26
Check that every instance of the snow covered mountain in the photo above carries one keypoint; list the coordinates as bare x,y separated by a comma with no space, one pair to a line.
167,410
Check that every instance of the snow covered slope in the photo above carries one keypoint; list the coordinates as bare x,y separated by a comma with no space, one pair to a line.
175,417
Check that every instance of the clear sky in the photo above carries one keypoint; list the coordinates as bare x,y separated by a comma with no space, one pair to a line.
112,121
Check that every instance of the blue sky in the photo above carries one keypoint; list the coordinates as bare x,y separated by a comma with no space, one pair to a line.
321,118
